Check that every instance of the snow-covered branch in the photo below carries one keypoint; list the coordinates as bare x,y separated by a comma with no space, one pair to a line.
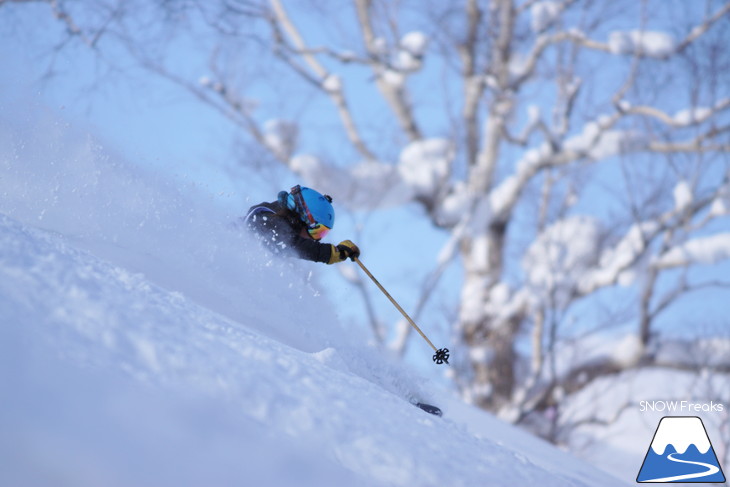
597,141
698,144
638,43
473,81
534,124
542,43
617,262
683,118
701,250
391,79
328,82
621,257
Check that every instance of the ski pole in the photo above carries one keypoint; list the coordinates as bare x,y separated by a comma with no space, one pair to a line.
442,354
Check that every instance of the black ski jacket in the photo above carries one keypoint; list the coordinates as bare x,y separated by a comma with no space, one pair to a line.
279,230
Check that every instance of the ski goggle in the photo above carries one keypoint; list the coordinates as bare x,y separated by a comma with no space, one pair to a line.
318,231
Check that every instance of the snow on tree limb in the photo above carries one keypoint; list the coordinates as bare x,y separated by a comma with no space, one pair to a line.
700,250
596,142
543,14
327,79
422,168
617,262
620,257
394,93
639,43
556,261
683,118
354,184
425,165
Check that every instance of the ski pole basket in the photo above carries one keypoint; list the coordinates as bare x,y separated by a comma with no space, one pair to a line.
441,356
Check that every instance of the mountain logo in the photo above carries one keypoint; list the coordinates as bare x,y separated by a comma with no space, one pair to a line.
680,452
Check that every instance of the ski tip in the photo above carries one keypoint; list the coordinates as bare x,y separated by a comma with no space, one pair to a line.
430,409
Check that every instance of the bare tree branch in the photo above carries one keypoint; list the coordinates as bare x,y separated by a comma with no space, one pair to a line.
330,83
394,92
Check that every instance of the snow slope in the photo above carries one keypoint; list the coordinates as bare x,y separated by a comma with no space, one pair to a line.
145,342
111,380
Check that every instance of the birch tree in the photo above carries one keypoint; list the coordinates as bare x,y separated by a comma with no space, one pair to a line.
575,152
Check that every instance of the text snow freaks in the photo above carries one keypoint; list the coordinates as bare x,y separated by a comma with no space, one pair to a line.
681,407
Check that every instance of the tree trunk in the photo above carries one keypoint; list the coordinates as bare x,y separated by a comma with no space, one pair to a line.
490,338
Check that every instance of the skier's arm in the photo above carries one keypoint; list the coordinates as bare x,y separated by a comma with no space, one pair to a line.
320,252
283,237
310,249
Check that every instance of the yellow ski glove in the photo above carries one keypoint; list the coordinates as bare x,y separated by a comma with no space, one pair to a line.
343,251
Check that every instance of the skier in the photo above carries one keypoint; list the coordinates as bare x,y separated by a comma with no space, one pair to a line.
296,222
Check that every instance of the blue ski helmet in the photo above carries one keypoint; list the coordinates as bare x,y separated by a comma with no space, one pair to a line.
315,204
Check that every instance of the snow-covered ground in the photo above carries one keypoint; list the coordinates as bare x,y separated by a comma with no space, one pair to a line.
146,342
